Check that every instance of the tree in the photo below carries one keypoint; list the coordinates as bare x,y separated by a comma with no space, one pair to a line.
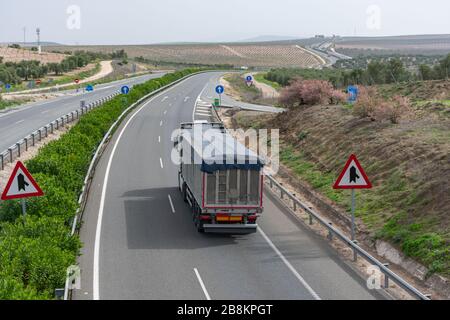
426,72
375,72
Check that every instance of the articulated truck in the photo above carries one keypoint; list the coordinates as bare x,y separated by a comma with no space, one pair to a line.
219,178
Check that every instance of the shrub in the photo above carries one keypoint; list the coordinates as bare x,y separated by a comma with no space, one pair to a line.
307,92
396,108
367,102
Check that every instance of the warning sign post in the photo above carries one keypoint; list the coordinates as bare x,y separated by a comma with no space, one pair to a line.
21,185
353,177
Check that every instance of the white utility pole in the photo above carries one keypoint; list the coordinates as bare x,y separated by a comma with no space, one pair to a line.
38,32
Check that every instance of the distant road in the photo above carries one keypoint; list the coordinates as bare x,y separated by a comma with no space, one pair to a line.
17,123
105,69
140,241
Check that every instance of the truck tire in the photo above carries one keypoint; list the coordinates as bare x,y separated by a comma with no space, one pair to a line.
184,192
197,221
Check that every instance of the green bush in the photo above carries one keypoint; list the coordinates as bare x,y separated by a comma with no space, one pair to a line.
35,252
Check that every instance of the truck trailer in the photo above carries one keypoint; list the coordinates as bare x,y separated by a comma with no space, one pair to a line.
220,179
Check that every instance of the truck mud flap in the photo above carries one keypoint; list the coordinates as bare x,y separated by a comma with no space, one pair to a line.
230,228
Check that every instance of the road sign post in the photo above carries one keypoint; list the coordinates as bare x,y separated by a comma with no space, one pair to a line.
21,185
249,80
24,208
220,89
353,177
125,90
352,94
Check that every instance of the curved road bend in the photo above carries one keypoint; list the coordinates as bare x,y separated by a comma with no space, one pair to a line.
21,121
147,247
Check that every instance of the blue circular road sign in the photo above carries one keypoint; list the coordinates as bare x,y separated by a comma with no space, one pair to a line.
220,89
125,89
7,86
89,87
249,78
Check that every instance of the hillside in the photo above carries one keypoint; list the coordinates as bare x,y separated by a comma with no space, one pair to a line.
245,54
17,55
418,44
408,163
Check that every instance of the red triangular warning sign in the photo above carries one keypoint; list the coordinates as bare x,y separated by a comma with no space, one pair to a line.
21,184
353,176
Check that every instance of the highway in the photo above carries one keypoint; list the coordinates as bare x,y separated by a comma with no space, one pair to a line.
209,93
17,123
140,241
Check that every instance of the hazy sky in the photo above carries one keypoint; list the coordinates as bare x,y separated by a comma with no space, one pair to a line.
153,21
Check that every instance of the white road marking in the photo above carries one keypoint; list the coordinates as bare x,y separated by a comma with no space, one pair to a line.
160,123
171,203
202,284
45,111
197,100
160,162
207,113
186,99
20,121
96,268
289,265
165,98
159,139
165,111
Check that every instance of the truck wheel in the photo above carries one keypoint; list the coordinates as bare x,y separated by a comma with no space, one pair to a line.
199,225
184,192
197,221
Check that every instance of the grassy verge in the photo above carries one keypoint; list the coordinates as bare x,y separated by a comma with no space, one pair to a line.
260,77
35,252
414,239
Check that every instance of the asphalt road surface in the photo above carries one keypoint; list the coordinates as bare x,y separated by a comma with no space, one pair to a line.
140,241
21,121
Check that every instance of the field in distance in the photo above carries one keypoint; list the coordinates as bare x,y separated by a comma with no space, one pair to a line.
248,54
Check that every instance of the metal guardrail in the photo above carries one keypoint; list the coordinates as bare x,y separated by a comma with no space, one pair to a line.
96,157
357,250
333,232
16,150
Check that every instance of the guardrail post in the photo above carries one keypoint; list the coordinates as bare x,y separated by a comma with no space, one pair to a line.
295,203
26,143
18,149
2,162
271,183
10,155
310,219
40,134
46,131
386,277
355,253
62,122
330,233
32,139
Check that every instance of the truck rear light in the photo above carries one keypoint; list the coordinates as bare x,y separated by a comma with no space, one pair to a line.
203,217
228,218
252,218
